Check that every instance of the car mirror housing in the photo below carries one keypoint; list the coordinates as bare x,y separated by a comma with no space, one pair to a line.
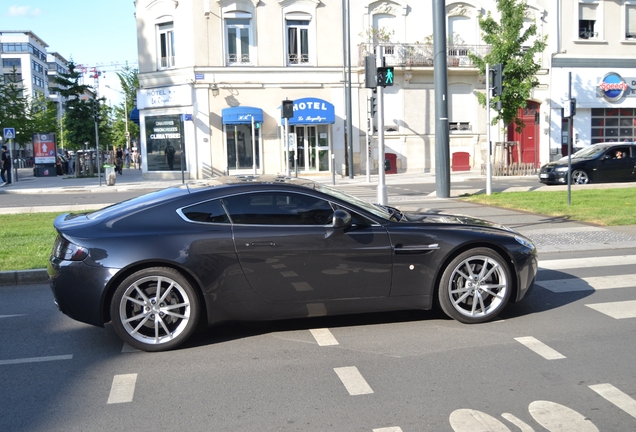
341,219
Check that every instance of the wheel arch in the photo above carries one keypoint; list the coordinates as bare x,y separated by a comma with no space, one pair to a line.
501,251
116,280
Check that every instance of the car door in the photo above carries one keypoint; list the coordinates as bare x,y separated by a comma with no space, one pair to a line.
612,168
290,252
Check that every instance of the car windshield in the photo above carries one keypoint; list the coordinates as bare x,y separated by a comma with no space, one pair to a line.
379,211
590,152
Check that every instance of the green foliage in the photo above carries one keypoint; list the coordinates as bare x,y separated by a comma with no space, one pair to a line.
618,205
510,48
129,82
27,240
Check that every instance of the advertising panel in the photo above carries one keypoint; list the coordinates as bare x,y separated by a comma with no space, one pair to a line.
44,149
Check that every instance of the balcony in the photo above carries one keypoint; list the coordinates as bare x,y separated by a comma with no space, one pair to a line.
421,55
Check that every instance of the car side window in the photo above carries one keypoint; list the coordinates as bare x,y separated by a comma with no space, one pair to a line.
209,212
278,208
357,218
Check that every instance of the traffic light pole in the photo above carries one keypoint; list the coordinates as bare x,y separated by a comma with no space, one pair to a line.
382,196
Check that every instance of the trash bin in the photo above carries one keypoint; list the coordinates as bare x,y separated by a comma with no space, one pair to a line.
110,175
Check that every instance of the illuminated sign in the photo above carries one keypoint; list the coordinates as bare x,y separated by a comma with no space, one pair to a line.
612,87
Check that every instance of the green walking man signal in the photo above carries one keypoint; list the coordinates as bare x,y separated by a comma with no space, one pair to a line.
385,76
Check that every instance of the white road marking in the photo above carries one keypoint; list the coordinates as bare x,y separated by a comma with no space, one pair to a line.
575,263
11,316
540,348
353,380
128,349
617,310
36,359
469,420
517,422
324,337
559,418
617,397
302,286
389,429
588,284
289,273
123,388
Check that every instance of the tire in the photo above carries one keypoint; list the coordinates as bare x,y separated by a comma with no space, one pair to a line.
580,177
475,286
151,325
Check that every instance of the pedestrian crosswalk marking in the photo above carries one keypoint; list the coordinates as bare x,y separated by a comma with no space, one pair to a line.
540,348
587,284
617,397
575,263
616,310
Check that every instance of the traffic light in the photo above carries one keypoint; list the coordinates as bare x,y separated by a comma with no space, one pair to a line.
373,104
496,79
369,72
385,76
96,110
572,107
288,109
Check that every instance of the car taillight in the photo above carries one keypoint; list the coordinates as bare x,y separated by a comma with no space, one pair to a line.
65,250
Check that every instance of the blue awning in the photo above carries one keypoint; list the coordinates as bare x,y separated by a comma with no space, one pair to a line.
242,115
134,115
312,111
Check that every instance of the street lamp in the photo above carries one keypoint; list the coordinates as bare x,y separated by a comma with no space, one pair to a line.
125,114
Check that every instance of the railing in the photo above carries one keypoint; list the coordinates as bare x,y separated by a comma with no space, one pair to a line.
167,62
421,55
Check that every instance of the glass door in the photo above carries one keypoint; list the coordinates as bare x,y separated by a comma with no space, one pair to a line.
242,152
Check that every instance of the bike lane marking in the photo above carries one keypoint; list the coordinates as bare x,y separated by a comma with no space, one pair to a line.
122,389
540,348
353,380
617,397
324,337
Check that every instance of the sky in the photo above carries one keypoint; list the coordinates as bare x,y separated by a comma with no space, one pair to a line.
99,33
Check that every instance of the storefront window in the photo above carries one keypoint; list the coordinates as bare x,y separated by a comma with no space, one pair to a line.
164,143
241,153
613,124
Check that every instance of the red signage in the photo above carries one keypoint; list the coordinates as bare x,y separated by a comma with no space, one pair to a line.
44,149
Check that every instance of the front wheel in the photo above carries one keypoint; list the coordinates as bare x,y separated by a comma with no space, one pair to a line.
155,309
580,177
475,286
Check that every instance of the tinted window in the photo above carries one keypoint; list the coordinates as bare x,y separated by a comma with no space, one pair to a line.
278,208
209,211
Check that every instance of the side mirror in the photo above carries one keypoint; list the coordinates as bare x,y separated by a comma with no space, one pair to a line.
341,219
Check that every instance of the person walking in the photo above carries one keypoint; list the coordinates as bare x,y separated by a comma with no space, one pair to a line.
169,152
119,160
5,169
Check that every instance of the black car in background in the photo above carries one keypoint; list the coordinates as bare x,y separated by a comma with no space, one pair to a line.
598,163
271,247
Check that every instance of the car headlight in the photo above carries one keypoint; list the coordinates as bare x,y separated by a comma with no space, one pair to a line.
525,242
561,169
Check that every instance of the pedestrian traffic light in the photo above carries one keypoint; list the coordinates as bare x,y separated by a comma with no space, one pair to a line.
385,76
288,109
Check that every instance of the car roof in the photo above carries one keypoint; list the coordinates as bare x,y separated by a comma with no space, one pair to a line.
251,180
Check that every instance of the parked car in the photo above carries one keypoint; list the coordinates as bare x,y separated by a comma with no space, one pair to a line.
272,247
598,163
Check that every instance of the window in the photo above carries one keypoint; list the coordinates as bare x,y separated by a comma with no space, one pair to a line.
587,21
207,212
238,39
630,22
165,33
11,62
297,42
37,66
278,208
613,124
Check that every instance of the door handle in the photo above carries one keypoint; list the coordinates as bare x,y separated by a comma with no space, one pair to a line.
260,244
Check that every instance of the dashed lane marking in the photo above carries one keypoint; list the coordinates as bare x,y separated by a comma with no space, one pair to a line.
616,310
540,348
324,337
122,389
353,381
36,359
617,397
388,429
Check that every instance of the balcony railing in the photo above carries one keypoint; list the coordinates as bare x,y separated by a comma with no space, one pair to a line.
421,55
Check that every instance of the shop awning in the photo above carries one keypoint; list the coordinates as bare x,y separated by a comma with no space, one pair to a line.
242,115
312,111
134,115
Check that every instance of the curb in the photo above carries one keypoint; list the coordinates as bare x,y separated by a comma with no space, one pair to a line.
24,277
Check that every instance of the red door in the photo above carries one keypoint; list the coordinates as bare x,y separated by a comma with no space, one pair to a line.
528,138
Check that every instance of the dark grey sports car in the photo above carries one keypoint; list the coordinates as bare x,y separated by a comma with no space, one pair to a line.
272,247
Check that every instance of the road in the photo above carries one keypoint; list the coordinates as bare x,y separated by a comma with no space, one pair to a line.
563,357
562,360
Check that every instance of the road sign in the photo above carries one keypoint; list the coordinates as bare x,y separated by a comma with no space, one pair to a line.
9,133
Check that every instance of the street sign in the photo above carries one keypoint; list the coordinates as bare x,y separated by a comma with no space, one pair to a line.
9,133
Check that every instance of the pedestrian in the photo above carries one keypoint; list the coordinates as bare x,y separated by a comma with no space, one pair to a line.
127,157
170,151
119,160
5,170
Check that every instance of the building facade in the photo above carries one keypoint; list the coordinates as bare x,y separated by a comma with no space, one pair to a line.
213,75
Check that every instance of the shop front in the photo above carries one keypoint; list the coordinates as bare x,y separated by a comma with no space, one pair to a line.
243,140
310,137
605,108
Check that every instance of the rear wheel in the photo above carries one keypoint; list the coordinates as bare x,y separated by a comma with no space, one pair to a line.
155,309
475,286
580,177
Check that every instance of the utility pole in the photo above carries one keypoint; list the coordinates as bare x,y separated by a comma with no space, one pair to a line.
440,78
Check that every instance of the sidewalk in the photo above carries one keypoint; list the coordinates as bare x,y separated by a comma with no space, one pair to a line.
550,234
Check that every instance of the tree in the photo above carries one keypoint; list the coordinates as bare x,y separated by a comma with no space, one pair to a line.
510,48
129,81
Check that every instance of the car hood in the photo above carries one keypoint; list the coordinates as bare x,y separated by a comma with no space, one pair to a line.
444,218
